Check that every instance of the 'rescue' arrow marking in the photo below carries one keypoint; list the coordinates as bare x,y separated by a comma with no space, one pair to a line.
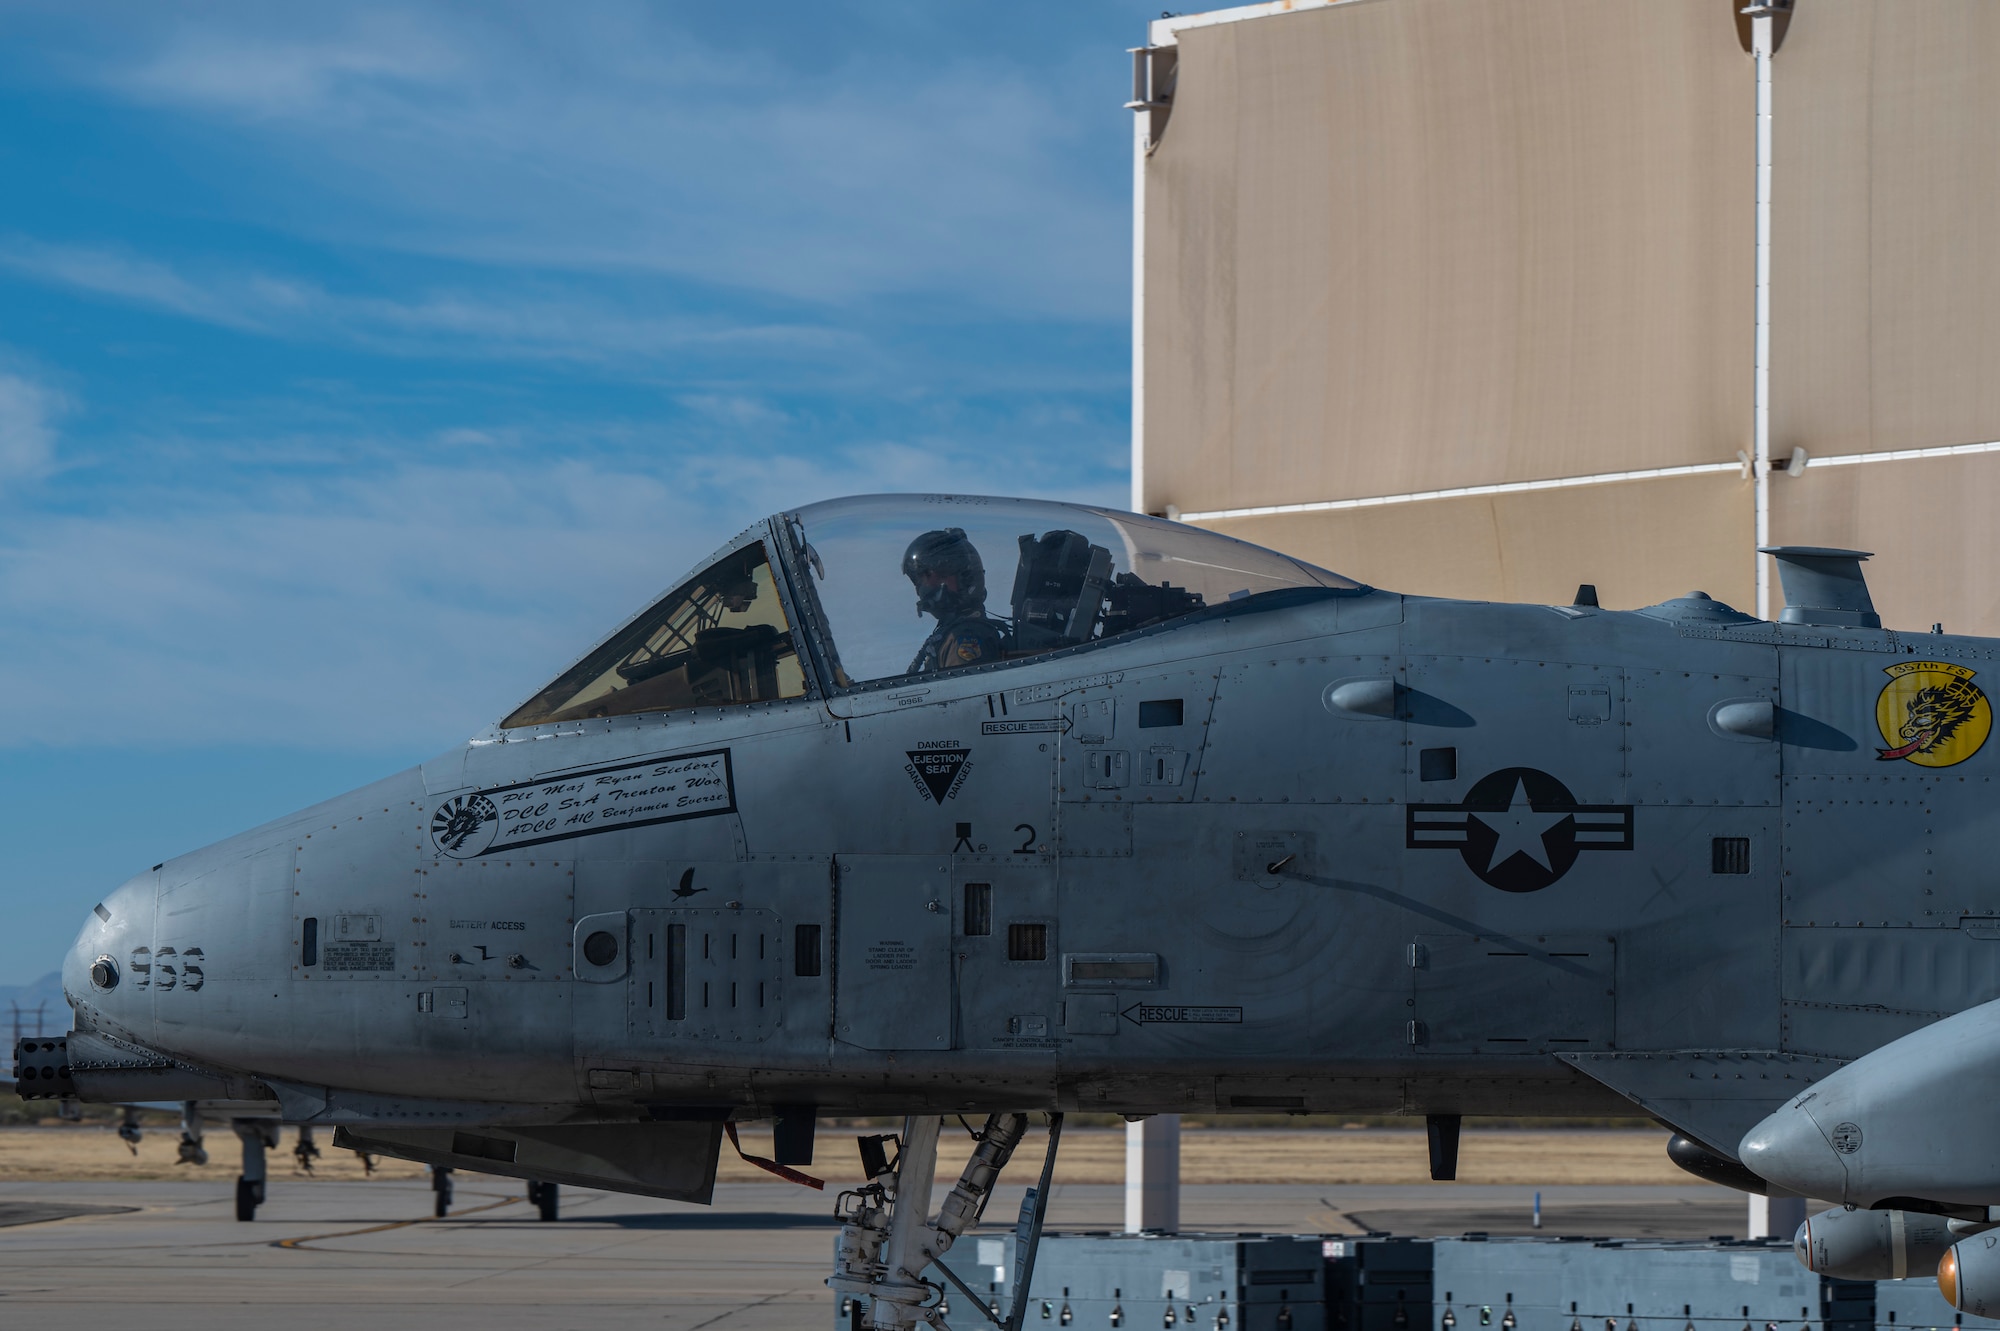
1042,726
1186,1016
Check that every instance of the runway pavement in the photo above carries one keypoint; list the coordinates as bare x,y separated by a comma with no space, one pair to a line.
324,1254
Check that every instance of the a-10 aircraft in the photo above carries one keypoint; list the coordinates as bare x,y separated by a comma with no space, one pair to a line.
933,805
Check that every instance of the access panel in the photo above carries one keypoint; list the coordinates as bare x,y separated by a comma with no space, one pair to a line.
357,914
1495,994
893,972
497,920
709,974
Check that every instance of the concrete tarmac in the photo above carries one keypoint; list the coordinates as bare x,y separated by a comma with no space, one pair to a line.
340,1256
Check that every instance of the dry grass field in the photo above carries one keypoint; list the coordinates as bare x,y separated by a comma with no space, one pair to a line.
92,1152
1526,1157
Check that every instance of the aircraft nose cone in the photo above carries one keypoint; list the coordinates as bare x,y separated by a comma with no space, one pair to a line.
99,976
1789,1151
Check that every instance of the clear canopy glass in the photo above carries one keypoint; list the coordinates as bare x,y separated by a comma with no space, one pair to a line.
909,585
720,638
914,584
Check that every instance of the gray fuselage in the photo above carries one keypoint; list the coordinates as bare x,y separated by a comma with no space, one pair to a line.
1167,872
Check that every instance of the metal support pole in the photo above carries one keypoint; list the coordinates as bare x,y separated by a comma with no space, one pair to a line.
1763,42
1153,1174
1140,142
1775,1217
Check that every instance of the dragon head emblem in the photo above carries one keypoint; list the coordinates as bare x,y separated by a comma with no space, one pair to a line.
1932,713
459,822
1937,712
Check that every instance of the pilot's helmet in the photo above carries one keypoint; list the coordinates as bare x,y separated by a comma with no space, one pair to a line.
946,570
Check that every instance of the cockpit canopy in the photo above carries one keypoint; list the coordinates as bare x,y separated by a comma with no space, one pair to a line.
885,587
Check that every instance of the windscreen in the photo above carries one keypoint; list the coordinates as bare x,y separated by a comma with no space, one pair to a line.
720,638
918,584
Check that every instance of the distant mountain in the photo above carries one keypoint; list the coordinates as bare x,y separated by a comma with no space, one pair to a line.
26,998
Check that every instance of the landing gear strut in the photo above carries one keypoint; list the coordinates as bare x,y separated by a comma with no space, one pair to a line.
887,1239
129,1131
192,1151
441,1185
306,1151
543,1197
256,1134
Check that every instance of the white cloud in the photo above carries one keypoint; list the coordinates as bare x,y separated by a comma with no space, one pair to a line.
228,68
486,322
718,224
733,409
122,276
27,440
610,138
403,608
417,603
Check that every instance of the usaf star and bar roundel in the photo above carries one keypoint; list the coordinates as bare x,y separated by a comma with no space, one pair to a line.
1519,829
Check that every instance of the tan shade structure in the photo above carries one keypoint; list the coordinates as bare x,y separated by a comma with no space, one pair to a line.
1886,297
1391,251
1931,523
1886,226
1636,542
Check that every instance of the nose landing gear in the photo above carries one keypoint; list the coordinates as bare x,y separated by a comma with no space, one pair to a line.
887,1240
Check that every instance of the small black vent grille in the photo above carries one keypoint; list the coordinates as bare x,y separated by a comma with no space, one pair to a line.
1437,764
805,950
1729,854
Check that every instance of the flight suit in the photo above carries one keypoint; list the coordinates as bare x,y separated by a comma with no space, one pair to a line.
958,643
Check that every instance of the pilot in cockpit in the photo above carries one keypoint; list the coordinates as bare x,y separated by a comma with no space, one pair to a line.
950,579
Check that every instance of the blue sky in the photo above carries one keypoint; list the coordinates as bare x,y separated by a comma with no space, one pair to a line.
359,365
